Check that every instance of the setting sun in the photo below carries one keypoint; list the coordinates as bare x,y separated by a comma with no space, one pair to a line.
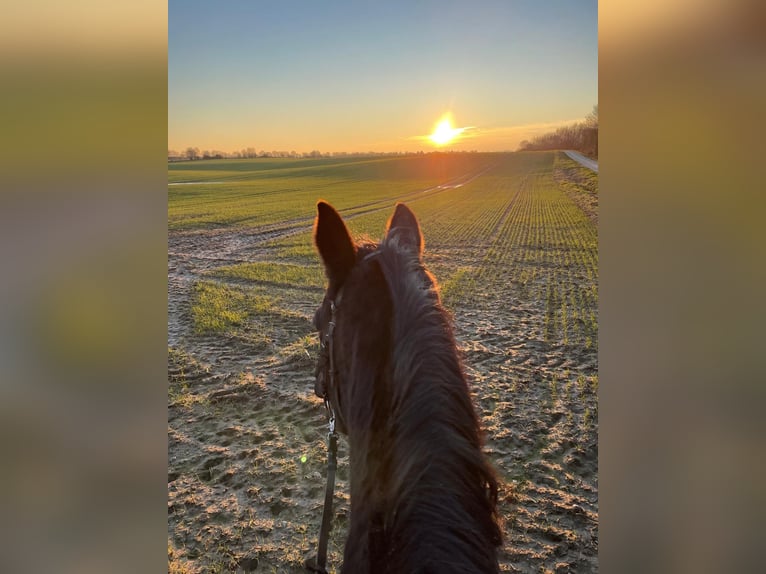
444,132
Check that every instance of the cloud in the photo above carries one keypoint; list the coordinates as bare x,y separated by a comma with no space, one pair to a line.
461,133
498,138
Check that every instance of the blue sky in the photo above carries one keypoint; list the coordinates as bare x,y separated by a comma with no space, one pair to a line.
359,76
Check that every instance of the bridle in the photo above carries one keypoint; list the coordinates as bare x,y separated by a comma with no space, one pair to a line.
327,362
326,350
327,356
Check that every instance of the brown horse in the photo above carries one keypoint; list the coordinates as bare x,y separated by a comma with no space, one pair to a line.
423,496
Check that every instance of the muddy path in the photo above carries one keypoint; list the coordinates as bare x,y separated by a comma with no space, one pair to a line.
246,436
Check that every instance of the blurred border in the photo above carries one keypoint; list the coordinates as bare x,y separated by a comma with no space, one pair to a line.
682,87
84,289
83,319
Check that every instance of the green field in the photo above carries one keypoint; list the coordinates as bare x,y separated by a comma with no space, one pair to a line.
514,225
249,193
512,240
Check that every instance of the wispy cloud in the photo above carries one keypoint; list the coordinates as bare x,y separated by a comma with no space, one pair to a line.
460,133
497,137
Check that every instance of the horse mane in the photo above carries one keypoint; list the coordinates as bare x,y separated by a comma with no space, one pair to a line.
418,473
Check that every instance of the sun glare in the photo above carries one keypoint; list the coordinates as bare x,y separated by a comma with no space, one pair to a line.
444,132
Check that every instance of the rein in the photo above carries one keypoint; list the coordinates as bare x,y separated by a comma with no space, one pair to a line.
332,459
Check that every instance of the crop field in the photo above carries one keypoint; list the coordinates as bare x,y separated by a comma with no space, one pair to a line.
512,240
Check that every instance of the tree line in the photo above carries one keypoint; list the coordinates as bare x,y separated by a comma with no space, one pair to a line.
582,137
194,153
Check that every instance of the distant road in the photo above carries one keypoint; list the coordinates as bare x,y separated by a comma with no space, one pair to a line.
582,160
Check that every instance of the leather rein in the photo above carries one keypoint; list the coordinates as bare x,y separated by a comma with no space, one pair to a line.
332,452
326,345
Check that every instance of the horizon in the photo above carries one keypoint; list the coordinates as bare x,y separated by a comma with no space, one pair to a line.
319,154
344,78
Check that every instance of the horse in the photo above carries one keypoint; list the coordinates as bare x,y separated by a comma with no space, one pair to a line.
423,495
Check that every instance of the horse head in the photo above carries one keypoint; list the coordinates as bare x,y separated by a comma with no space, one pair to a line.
354,318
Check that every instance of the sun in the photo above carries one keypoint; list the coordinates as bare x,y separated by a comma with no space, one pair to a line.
444,132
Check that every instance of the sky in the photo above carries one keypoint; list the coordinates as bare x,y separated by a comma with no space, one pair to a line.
377,76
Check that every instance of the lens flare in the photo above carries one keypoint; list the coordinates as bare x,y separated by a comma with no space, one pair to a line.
444,132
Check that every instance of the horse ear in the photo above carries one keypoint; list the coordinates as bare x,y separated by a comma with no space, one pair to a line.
405,226
333,242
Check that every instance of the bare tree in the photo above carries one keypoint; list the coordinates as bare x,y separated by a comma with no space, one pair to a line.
582,136
192,153
591,120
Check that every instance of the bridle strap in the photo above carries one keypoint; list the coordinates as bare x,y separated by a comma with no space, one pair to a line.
324,533
330,339
332,460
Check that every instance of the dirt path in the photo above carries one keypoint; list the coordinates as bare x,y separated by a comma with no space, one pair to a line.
582,160
246,436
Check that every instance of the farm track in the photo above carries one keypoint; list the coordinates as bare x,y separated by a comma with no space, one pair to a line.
582,160
242,418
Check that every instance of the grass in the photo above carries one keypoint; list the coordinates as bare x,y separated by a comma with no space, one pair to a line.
515,225
574,177
271,272
458,287
303,351
257,192
579,183
241,311
217,308
182,368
